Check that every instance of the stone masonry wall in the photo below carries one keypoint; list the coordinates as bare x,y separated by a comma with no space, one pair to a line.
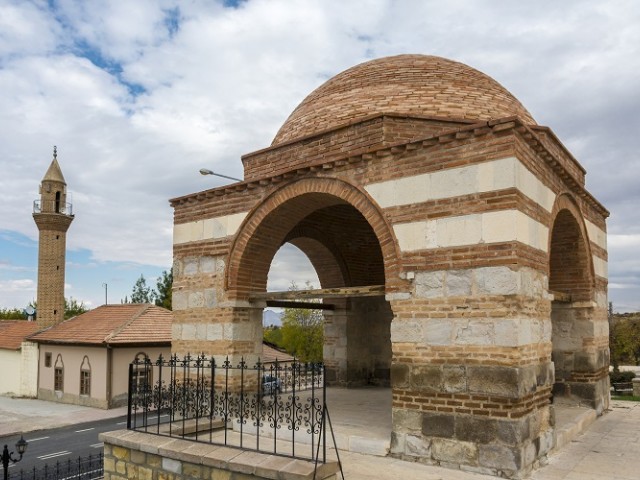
463,220
471,370
204,321
141,456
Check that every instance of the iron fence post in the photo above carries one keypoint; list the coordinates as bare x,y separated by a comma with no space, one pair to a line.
324,420
130,396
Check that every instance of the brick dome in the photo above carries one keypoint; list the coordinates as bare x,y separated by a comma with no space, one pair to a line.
405,84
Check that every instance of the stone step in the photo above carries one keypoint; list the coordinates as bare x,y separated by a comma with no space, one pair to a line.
571,422
378,447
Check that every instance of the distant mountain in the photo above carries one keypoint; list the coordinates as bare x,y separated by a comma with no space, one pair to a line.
271,318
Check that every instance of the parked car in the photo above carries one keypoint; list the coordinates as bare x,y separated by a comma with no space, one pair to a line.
271,385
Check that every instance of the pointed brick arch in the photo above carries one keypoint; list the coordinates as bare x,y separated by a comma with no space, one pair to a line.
578,339
570,266
266,228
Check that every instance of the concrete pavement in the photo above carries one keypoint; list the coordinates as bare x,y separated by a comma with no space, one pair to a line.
609,449
22,415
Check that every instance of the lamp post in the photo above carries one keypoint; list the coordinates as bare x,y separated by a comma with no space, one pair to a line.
206,171
21,447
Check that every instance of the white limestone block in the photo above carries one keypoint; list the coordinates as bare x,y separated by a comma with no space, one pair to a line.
600,267
214,331
210,228
210,297
207,264
411,236
188,331
596,234
429,284
474,332
454,182
238,331
458,283
462,230
406,331
497,281
196,299
179,300
201,331
176,331
437,331
499,226
190,266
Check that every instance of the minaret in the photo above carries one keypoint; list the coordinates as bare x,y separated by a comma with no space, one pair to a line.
52,215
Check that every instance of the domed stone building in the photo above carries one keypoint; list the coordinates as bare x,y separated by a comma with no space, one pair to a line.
462,262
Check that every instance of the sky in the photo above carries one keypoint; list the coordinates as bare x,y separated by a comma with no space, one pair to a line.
138,96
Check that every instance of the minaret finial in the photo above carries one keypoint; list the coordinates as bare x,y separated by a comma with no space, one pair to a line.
55,152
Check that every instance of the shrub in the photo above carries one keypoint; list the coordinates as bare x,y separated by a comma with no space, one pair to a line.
621,377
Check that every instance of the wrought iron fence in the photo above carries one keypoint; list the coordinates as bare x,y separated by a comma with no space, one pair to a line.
86,468
275,407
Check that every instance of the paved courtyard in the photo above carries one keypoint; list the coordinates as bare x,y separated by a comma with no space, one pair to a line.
609,448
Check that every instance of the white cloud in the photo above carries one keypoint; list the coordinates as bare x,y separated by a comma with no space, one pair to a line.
624,241
17,293
290,265
26,29
139,96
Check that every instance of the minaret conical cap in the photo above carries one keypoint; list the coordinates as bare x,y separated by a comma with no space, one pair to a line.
54,174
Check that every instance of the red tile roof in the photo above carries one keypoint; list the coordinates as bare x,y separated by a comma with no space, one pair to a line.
130,323
13,332
271,354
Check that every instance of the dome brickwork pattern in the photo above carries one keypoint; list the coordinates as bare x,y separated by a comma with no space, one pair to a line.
405,84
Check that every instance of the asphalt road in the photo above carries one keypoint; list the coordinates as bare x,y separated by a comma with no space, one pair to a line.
61,444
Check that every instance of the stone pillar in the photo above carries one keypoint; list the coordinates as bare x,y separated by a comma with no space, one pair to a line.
335,346
580,354
636,387
357,346
369,344
207,322
472,373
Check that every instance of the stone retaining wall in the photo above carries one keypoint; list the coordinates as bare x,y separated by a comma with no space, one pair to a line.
129,454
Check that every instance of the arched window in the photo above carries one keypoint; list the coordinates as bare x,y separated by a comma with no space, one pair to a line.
85,377
58,374
57,202
141,372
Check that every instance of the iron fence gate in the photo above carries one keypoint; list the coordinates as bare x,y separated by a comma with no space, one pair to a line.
276,408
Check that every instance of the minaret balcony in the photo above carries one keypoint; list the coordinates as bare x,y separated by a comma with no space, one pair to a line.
51,206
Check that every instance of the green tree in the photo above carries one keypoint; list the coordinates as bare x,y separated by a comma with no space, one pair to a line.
625,341
273,335
12,314
302,331
164,286
141,293
72,308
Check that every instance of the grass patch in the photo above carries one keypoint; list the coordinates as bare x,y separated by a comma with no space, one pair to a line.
628,398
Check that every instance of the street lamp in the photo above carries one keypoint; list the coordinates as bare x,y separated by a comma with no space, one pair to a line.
21,447
206,171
